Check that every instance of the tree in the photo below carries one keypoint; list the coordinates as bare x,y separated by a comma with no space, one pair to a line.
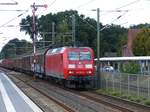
111,37
141,44
64,37
141,26
121,42
86,32
16,47
26,25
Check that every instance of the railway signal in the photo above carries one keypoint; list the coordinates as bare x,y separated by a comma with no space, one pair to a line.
34,9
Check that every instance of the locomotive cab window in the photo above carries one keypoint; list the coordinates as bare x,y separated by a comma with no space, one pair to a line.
73,55
85,56
79,56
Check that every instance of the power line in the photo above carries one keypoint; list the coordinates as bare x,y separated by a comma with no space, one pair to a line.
15,25
122,6
48,7
104,26
107,26
52,3
13,19
128,4
8,3
118,17
88,23
14,10
14,3
85,4
117,10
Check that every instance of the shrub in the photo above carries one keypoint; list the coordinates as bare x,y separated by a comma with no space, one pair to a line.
136,99
130,67
147,102
117,94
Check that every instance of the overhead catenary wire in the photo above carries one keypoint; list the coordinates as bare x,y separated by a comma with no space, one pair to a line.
107,26
117,10
9,3
128,4
13,19
13,10
49,5
118,17
82,5
16,25
114,21
52,3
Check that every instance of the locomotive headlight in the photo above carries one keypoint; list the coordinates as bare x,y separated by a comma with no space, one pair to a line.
89,72
71,72
88,66
71,66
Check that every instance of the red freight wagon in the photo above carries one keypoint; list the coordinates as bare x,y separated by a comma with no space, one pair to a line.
7,63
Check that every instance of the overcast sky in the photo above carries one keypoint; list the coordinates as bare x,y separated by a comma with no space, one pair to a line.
138,12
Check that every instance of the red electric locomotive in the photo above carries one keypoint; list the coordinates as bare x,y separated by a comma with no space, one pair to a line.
73,65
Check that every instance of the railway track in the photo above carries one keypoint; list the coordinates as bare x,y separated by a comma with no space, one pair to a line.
85,101
120,104
68,109
125,102
105,102
57,91
73,93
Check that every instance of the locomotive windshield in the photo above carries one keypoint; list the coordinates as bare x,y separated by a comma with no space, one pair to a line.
85,56
79,56
73,55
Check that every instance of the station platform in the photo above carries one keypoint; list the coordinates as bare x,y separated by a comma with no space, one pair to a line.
12,99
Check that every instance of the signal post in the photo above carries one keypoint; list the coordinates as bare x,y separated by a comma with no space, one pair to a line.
34,9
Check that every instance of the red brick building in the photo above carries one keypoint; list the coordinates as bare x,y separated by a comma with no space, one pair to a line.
127,49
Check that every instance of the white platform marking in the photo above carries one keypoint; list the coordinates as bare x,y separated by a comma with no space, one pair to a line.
34,107
8,104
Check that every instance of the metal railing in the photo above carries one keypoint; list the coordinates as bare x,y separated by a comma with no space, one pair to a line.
130,84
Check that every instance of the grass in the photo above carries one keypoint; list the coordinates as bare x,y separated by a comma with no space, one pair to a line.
121,95
147,102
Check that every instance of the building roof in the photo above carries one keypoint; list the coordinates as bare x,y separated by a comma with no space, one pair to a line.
135,58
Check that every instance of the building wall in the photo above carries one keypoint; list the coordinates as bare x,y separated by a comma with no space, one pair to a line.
127,49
